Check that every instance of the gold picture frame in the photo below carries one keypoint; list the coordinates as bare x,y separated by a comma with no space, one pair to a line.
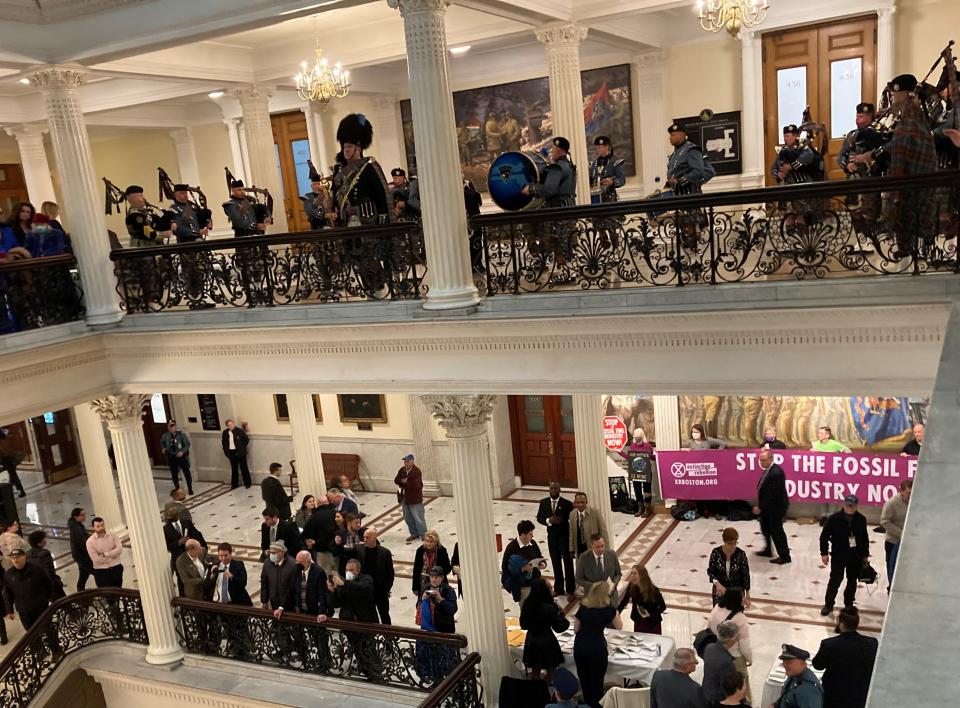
362,407
283,412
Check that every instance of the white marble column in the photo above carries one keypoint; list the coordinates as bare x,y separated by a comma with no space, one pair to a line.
752,142
592,456
124,417
649,70
186,151
96,464
236,150
464,418
562,41
244,150
263,172
438,157
82,196
306,445
33,161
316,135
666,418
387,139
423,445
886,44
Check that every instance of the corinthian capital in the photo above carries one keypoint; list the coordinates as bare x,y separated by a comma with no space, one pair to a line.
461,416
407,7
123,410
562,34
68,76
252,94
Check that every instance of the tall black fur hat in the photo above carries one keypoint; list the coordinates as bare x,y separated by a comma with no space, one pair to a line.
355,129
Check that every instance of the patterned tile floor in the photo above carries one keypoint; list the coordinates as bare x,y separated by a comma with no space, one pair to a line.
786,599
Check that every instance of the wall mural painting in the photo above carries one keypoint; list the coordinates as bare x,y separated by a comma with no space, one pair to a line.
517,116
634,411
880,424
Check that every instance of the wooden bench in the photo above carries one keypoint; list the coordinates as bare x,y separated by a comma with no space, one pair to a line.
334,465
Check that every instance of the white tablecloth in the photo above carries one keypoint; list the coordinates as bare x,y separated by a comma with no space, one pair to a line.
652,652
774,683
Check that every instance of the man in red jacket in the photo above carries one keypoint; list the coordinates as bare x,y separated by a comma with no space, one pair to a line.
409,481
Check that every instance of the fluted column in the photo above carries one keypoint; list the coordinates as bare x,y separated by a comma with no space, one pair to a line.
751,64
317,138
244,150
124,417
96,463
438,157
464,418
186,155
423,445
33,161
666,418
649,70
562,41
306,444
387,140
236,151
592,456
82,198
886,43
254,102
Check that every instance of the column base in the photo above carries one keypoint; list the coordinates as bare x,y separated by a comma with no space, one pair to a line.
431,488
104,317
163,657
460,299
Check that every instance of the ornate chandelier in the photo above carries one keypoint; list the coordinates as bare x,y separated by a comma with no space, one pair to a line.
322,83
715,15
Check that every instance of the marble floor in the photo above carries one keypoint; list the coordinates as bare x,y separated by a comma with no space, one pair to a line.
786,599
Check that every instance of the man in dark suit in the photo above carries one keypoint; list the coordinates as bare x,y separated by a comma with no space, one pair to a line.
273,529
312,588
229,579
599,564
176,533
234,441
554,513
341,503
192,571
772,504
353,594
847,662
377,562
273,493
673,688
279,581
318,534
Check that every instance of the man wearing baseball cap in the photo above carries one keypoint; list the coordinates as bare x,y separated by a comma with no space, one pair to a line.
802,688
845,546
565,688
409,481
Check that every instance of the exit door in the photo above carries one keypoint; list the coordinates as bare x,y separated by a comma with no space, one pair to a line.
543,439
57,446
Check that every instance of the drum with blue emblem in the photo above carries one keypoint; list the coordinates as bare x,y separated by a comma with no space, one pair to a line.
509,174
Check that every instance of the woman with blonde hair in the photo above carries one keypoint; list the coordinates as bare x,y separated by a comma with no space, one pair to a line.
431,553
52,211
648,603
596,613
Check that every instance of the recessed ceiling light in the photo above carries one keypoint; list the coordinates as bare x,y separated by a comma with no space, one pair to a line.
457,51
215,94
25,81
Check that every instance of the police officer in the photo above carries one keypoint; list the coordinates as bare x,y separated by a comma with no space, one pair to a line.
247,217
864,139
687,170
184,219
406,195
313,200
606,173
802,689
845,536
795,162
558,183
140,219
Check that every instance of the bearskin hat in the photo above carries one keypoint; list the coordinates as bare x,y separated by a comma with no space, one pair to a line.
355,129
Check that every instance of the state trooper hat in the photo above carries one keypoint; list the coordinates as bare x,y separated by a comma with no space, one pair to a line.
181,188
602,140
236,183
398,172
562,143
791,128
866,108
792,652
904,82
675,128
133,189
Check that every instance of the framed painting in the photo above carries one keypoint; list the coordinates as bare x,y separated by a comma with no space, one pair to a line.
283,413
362,407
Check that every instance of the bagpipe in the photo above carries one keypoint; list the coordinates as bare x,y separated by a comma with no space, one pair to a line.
115,197
263,209
806,157
197,197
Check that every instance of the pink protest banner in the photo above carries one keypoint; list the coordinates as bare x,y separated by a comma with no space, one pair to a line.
818,477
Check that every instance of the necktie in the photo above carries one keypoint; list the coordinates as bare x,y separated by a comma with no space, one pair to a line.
179,529
600,563
224,589
553,505
273,533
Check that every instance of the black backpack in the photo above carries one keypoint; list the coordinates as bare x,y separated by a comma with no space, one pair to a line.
705,637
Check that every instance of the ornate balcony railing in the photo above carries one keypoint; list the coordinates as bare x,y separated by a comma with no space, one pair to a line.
461,689
876,226
70,624
371,263
39,292
375,653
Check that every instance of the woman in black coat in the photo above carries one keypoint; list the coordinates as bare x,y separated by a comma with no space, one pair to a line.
541,617
648,602
430,554
729,568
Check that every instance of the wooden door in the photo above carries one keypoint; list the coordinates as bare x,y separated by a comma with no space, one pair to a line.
21,441
13,189
57,446
155,420
293,151
830,68
544,440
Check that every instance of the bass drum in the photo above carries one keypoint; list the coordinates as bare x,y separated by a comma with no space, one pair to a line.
509,174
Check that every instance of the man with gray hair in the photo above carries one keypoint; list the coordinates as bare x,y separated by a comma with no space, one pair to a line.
673,688
192,570
279,580
718,661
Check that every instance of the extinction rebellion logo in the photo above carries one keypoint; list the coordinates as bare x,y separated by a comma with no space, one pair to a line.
693,469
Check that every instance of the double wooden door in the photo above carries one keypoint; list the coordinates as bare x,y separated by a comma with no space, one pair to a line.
543,439
56,445
292,152
830,68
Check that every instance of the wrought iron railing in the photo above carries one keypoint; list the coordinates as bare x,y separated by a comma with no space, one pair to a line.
69,624
870,226
39,292
383,654
384,262
461,689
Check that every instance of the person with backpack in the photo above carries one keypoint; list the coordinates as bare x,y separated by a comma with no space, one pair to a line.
730,608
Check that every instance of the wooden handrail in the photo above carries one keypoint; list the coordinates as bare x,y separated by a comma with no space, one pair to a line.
446,687
68,260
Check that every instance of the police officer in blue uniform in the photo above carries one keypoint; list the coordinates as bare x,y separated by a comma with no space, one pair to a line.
247,217
184,219
862,140
802,689
687,169
606,173
558,183
796,163
405,194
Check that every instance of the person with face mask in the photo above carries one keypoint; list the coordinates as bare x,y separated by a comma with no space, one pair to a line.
353,594
700,441
770,440
279,580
